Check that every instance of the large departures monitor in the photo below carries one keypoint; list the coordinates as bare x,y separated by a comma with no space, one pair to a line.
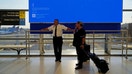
90,12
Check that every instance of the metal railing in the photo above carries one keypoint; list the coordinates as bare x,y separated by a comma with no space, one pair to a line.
123,38
109,39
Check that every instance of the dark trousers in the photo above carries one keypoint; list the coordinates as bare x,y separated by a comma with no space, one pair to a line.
80,55
57,44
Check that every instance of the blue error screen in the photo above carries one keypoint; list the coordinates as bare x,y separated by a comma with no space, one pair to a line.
71,11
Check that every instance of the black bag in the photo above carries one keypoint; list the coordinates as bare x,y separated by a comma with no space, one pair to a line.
87,50
101,64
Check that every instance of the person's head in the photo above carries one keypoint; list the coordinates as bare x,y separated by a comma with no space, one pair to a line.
56,21
79,24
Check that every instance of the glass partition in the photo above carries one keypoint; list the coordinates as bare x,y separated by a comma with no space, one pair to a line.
103,44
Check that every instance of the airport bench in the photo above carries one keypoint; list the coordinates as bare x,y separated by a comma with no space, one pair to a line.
17,48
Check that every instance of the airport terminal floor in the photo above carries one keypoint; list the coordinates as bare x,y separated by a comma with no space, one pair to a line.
26,49
47,65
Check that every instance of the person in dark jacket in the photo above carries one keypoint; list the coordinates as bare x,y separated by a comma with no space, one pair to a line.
79,42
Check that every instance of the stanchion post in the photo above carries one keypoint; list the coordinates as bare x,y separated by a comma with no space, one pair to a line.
126,44
93,41
26,44
29,42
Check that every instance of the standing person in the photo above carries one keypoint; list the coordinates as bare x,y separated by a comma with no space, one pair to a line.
79,42
57,30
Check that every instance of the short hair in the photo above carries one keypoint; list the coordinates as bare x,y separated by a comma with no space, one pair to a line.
56,20
79,22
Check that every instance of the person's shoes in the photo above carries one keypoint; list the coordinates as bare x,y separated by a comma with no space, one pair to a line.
77,64
78,67
59,60
88,58
56,60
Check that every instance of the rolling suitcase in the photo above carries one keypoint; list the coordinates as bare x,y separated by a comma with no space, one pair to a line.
87,50
101,64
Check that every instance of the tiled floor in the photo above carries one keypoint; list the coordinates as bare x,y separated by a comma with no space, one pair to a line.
47,65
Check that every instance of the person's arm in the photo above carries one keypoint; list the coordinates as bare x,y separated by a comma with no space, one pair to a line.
44,29
47,29
67,28
83,41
